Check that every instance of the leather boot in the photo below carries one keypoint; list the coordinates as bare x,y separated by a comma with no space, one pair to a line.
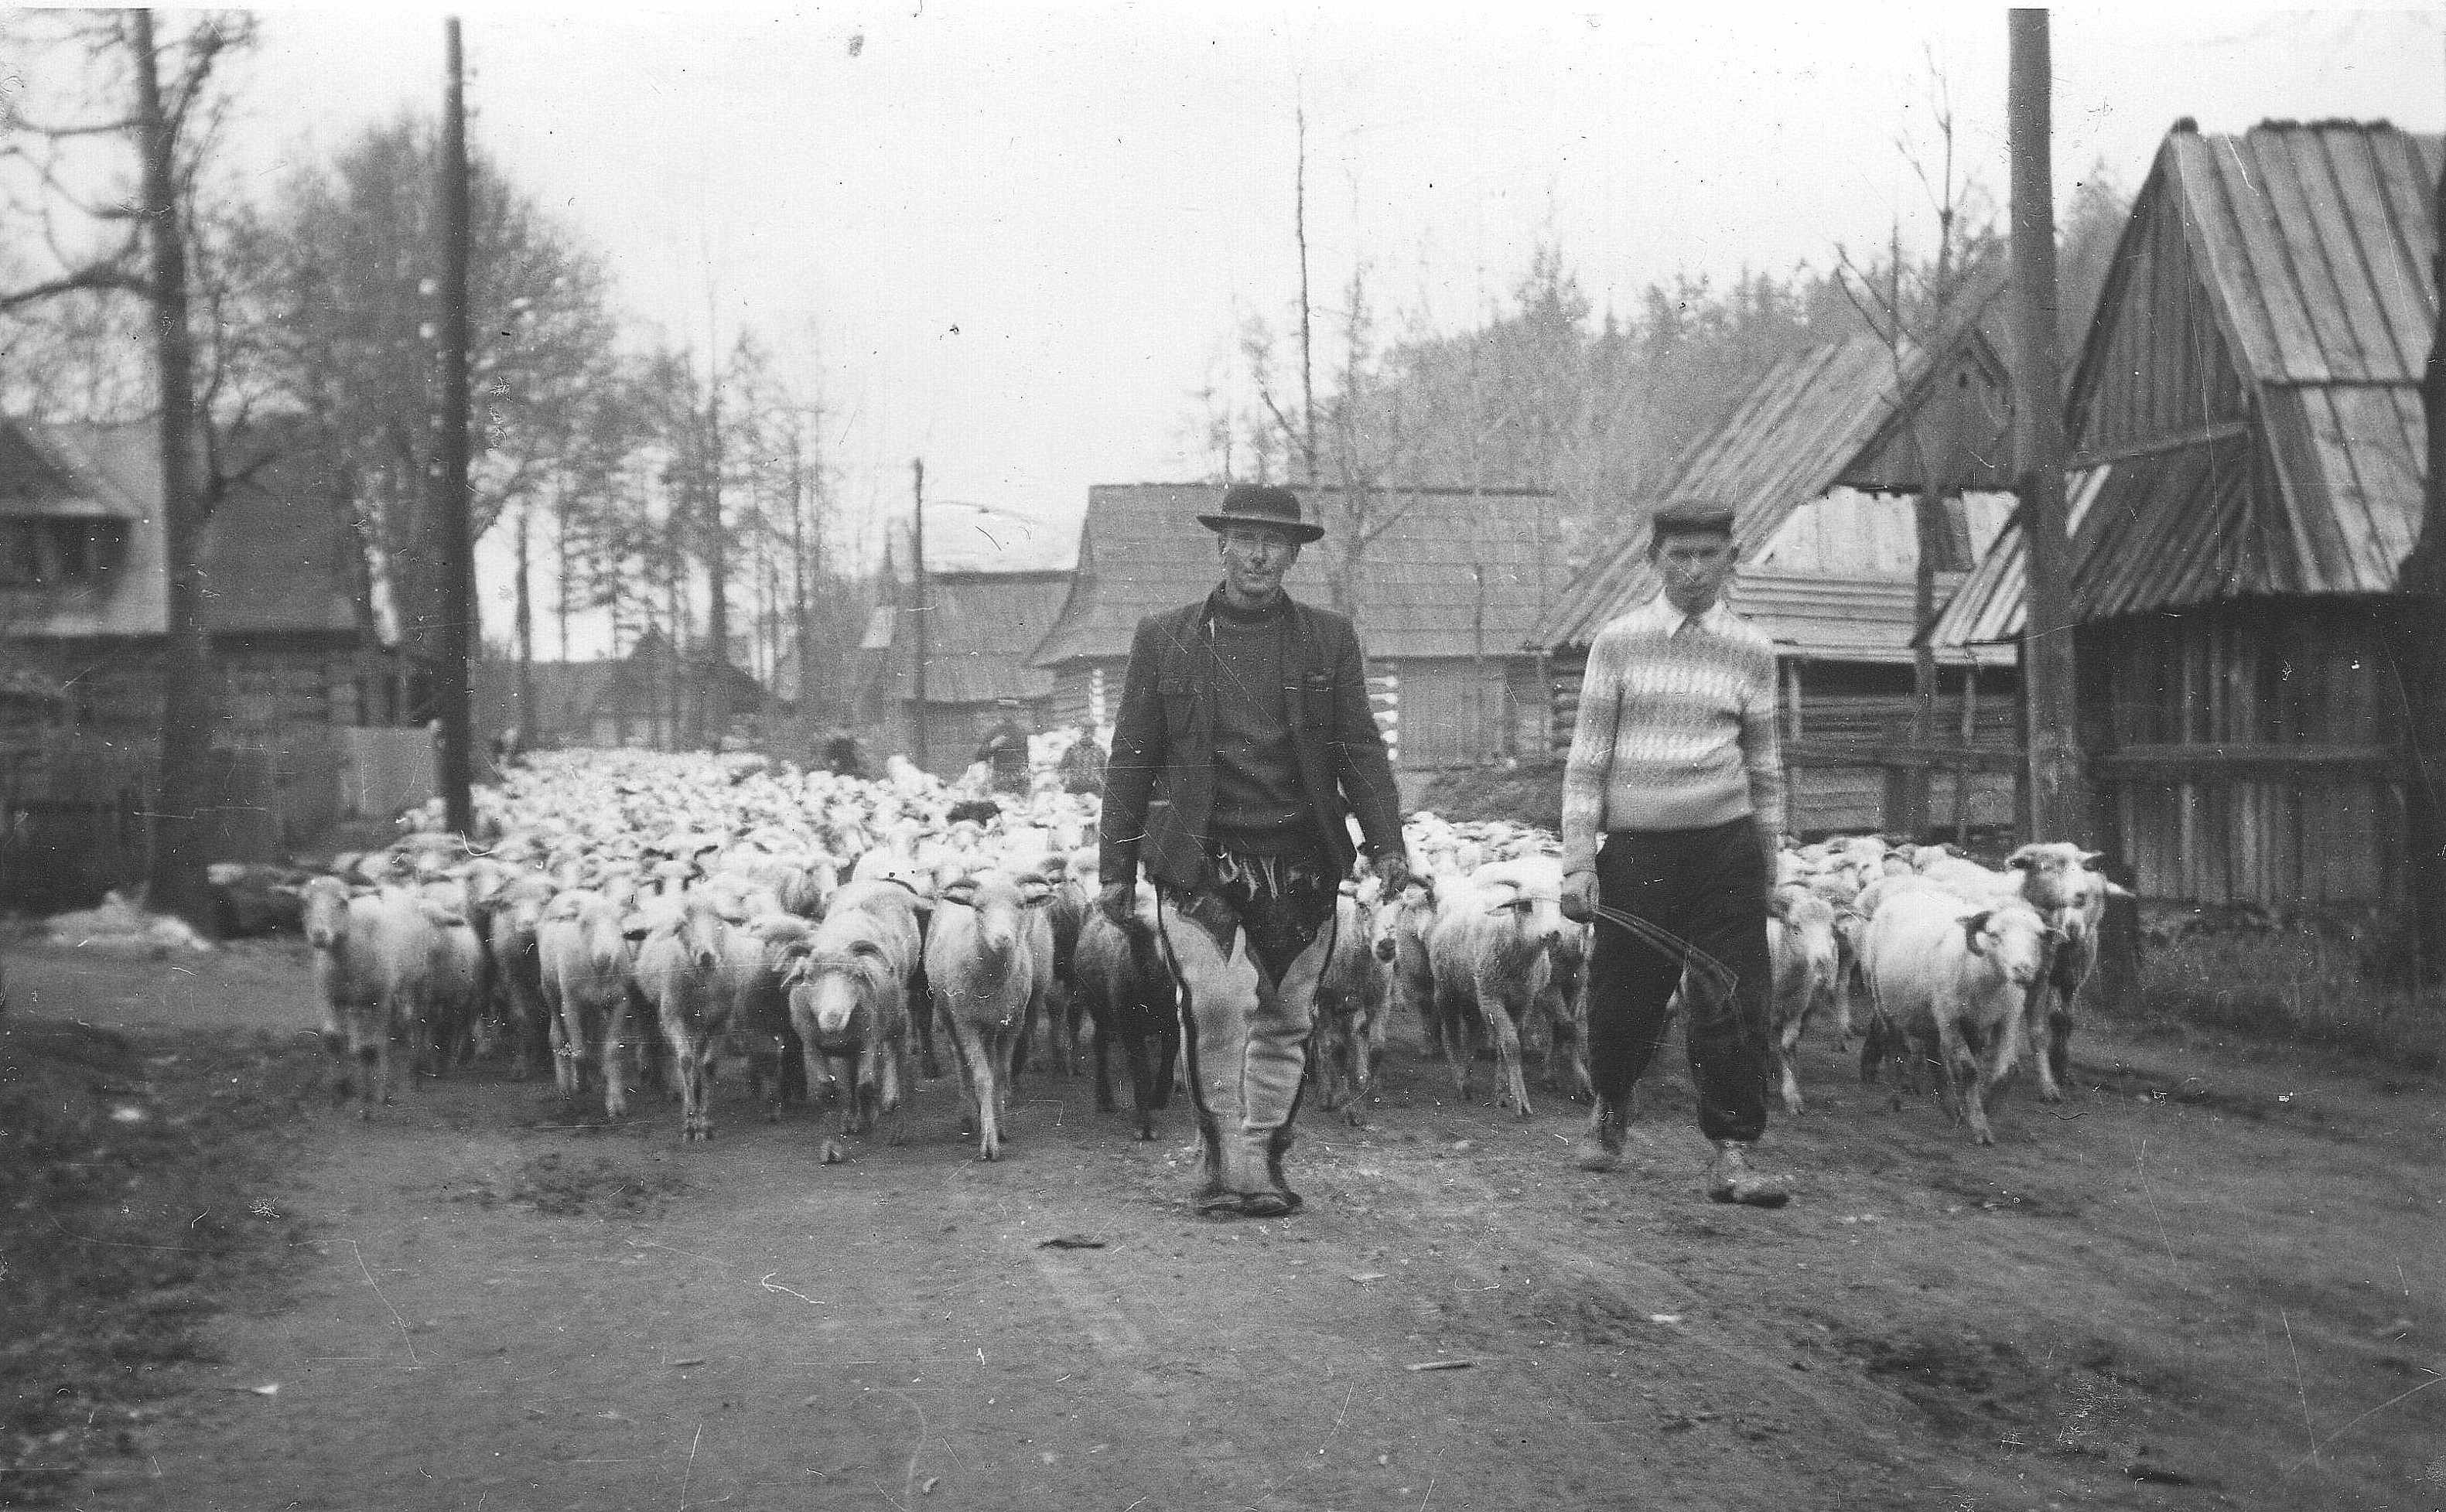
1731,1179
1212,1197
1275,1199
1600,1145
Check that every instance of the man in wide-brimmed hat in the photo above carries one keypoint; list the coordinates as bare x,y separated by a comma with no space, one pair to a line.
1243,746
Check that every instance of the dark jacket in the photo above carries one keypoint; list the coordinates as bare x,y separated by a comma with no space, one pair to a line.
1160,781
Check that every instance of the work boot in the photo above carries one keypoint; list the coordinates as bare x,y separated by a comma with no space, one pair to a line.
1600,1145
1276,1199
1730,1179
1214,1196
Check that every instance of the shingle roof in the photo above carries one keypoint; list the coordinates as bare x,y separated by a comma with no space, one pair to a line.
278,554
1836,582
1813,420
2310,244
1443,571
984,626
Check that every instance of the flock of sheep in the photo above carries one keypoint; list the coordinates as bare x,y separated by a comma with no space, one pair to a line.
634,918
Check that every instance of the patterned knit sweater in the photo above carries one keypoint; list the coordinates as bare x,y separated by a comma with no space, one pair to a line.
1676,731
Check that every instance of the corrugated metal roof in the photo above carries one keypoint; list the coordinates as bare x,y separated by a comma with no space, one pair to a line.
1810,421
2310,242
977,641
1443,570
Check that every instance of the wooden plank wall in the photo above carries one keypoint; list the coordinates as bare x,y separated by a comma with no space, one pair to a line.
2249,754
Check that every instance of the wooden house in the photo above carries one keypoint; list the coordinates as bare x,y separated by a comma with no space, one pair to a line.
1820,463
84,597
649,698
2246,447
1445,584
308,682
980,627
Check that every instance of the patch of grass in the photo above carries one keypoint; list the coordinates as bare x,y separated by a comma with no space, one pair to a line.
132,1181
2294,981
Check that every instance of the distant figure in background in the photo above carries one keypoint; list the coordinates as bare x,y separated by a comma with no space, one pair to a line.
842,758
506,747
1082,765
1005,749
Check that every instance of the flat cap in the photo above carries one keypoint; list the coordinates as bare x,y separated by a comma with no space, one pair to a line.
1691,517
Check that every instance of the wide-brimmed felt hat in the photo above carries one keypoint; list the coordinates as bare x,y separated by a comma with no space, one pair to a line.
1262,504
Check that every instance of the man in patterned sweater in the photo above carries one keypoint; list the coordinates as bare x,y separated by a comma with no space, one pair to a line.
1672,800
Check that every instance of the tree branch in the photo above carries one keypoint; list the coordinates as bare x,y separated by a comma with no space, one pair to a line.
101,278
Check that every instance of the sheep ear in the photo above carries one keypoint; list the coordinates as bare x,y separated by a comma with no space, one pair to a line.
1972,925
2091,858
2020,860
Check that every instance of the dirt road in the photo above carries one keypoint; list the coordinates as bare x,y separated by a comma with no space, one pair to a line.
2211,1280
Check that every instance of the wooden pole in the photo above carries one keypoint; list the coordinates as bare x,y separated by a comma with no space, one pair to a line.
450,471
2058,809
2419,622
715,698
917,573
174,872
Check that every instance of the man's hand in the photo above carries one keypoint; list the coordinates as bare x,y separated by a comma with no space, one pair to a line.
1392,870
1580,897
1117,900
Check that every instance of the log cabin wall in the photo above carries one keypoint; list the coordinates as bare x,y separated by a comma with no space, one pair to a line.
2250,752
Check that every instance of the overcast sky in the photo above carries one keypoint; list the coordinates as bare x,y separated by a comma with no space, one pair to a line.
1017,238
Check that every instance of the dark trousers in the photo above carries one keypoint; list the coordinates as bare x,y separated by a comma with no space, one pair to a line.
1707,888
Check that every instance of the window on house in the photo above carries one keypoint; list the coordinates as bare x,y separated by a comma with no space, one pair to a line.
49,554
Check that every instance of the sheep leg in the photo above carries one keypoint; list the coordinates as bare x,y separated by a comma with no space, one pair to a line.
1847,966
616,1055
892,1056
921,1017
1145,1100
1452,1023
1950,1050
1507,1052
1419,998
1104,1069
2037,1014
1785,1044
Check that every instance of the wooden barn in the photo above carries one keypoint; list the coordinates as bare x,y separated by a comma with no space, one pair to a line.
84,589
306,676
1820,464
1446,588
2246,454
980,627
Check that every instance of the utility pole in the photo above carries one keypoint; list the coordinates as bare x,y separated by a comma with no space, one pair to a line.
175,874
803,636
1307,364
917,571
2058,809
450,469
715,699
2420,627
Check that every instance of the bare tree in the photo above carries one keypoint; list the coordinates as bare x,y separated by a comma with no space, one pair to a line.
146,255
1918,327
